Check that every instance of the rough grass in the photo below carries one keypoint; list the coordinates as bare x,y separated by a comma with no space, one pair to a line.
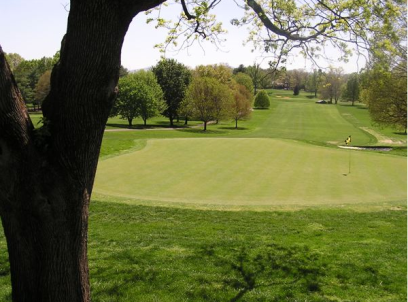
149,253
144,253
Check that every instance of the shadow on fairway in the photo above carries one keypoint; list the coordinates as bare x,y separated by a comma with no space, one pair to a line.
141,127
202,132
233,128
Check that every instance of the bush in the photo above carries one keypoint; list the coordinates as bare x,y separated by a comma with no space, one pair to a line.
262,100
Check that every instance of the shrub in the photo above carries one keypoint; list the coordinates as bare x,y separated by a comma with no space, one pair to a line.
262,100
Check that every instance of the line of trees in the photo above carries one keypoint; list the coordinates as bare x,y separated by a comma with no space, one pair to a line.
380,86
208,93
32,76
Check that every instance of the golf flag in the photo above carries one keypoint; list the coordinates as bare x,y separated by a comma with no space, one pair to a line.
348,140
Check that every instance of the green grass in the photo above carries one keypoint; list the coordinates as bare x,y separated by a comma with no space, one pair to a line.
149,253
311,234
144,253
268,172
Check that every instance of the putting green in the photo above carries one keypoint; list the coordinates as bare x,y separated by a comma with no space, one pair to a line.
252,172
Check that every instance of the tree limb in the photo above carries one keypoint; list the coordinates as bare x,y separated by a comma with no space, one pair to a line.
272,27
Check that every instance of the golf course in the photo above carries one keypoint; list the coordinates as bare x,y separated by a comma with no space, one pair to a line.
287,157
276,210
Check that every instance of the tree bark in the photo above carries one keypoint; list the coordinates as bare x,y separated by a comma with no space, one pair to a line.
47,175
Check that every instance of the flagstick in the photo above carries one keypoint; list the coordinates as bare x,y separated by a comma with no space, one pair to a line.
349,161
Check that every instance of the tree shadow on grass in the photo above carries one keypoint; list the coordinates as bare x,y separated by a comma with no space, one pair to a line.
227,274
119,274
157,125
209,132
233,128
266,267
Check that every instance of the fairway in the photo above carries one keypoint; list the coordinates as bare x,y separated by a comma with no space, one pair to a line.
271,172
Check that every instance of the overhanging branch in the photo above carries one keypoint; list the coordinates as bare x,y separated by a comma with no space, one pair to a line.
272,27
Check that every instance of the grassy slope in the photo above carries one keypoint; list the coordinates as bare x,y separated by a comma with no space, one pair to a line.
300,118
140,253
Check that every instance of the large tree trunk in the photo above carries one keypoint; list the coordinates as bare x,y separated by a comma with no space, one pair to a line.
46,175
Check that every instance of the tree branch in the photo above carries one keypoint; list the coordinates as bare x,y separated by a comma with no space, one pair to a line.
272,27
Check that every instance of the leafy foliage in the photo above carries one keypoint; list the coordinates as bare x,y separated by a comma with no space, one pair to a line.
313,81
208,99
244,80
241,106
352,91
332,84
139,96
386,96
14,59
42,88
262,100
28,73
173,79
222,73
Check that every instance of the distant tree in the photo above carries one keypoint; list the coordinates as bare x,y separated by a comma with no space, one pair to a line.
14,59
262,100
42,88
186,109
297,80
208,99
245,80
123,71
258,76
241,106
352,89
173,78
139,96
296,90
313,81
331,85
27,74
222,73
241,68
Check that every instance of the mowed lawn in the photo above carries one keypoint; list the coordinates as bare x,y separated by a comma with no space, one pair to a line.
275,159
302,119
268,212
234,171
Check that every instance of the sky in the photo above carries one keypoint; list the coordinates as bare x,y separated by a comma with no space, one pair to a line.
34,29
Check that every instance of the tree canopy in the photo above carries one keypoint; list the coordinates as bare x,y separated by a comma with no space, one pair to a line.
173,78
208,99
262,100
352,90
139,96
241,106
